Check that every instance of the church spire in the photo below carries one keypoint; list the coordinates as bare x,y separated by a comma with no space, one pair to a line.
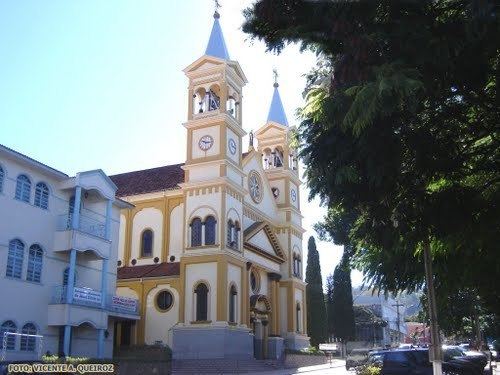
276,111
216,45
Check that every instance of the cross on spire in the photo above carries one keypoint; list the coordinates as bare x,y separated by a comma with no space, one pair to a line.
275,75
217,6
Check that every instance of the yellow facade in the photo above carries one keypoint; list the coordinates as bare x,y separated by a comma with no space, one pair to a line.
225,239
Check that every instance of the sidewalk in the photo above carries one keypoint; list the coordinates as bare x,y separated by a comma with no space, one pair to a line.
337,367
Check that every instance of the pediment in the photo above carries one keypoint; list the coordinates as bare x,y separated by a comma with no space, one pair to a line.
203,63
206,62
260,238
270,130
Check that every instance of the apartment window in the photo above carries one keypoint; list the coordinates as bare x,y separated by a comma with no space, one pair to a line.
23,188
147,243
15,259
210,230
28,342
66,276
201,292
2,175
196,232
42,195
35,259
8,326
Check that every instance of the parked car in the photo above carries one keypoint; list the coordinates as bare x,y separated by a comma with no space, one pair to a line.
478,359
416,362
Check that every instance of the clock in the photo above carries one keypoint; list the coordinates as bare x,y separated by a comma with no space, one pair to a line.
232,146
255,186
293,194
205,142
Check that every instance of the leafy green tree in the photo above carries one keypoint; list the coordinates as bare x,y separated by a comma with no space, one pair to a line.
342,318
400,133
316,309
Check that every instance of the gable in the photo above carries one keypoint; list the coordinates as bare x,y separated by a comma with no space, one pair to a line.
260,239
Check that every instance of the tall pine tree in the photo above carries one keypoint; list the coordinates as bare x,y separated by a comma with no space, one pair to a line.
341,305
316,309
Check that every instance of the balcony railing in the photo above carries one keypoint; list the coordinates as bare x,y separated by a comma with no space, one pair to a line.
89,297
86,225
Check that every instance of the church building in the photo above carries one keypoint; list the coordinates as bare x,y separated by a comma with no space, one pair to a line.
212,247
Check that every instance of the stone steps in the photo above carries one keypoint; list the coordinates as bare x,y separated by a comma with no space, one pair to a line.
223,366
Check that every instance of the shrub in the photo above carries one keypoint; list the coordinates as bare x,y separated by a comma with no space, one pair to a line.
368,370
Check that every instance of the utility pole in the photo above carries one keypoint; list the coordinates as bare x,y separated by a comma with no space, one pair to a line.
397,305
435,351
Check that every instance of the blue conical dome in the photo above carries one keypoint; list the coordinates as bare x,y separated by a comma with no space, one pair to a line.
276,111
216,45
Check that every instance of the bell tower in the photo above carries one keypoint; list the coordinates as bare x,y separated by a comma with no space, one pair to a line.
279,157
212,271
214,113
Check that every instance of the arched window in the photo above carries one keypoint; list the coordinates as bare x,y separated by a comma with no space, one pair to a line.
231,106
232,304
35,259
28,342
66,277
236,237
297,264
213,98
196,232
8,326
23,188
42,195
201,292
15,259
147,243
298,317
230,228
2,175
210,230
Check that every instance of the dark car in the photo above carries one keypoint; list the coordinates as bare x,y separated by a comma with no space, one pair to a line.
456,352
416,362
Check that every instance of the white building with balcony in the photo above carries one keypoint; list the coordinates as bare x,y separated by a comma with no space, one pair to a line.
58,255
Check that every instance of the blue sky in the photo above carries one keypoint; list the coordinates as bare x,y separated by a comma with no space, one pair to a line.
99,84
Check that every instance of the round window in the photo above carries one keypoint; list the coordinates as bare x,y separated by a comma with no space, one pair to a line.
164,300
254,281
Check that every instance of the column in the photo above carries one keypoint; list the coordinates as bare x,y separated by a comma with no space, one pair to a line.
76,211
100,343
104,282
71,276
203,234
109,209
67,340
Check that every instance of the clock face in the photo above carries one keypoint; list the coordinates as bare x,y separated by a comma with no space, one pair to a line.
255,186
205,142
232,146
293,194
